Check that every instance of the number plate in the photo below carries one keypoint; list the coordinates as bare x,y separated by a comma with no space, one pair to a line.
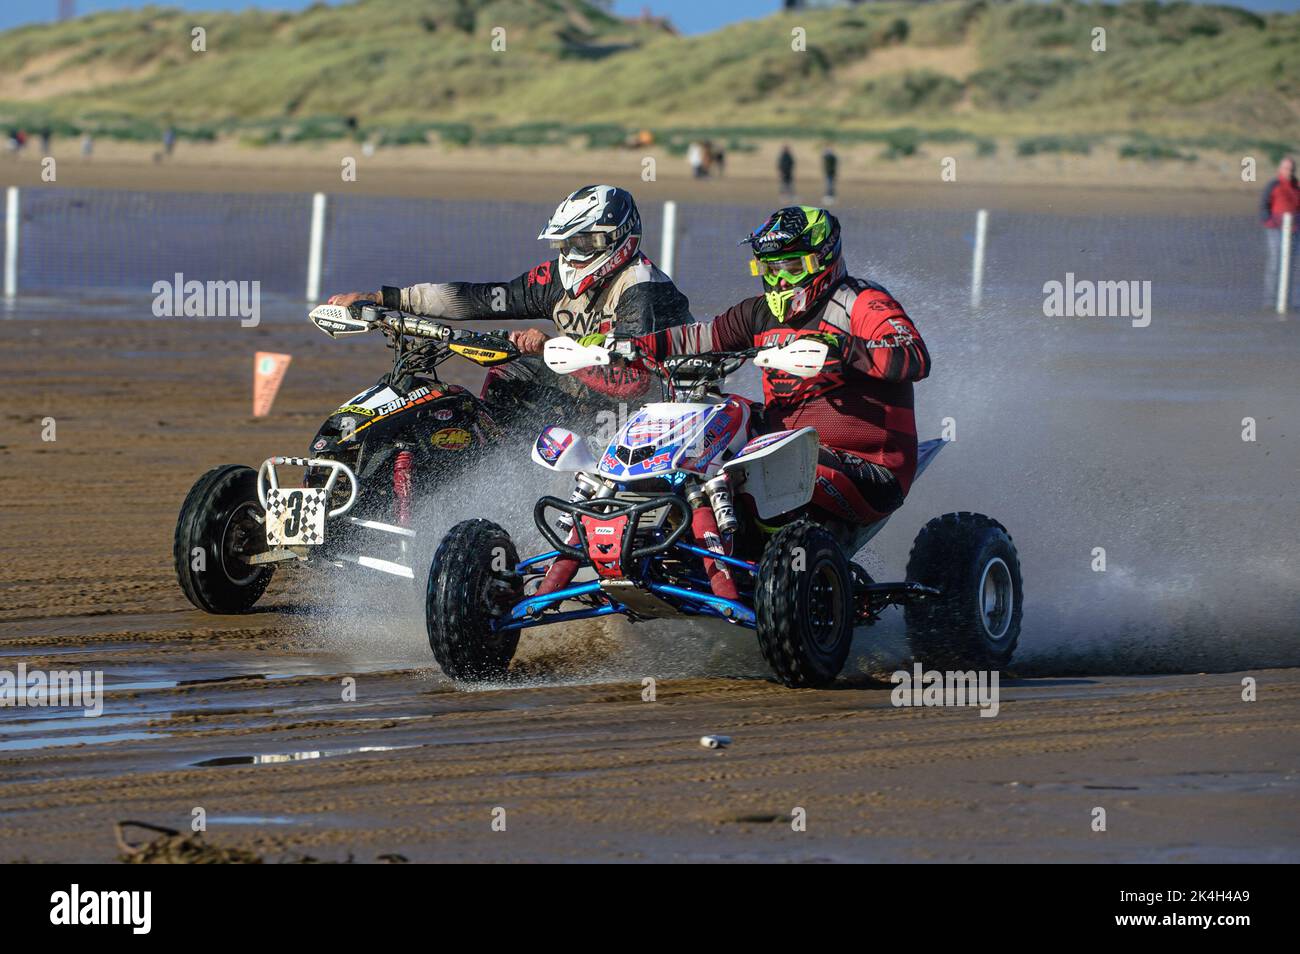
295,516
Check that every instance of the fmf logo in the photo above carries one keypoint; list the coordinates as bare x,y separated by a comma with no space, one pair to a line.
451,438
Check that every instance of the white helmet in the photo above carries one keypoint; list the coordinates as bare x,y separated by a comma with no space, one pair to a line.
597,230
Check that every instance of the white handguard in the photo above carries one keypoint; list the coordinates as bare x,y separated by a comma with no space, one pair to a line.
563,355
338,320
803,357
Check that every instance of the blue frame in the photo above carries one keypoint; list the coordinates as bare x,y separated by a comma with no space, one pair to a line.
532,611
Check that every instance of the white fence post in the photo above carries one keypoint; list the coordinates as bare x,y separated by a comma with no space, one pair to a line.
977,262
668,246
11,243
316,247
1284,265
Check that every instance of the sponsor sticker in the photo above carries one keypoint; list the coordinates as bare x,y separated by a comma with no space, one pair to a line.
451,438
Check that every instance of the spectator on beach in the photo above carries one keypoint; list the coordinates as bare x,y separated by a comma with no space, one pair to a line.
695,156
720,160
1282,195
785,168
47,134
169,140
830,167
87,145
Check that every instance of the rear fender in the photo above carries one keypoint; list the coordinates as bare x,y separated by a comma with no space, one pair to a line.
778,471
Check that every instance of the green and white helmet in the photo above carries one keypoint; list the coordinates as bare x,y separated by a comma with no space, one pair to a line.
797,254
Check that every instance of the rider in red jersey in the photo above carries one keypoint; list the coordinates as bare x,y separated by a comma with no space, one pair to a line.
861,403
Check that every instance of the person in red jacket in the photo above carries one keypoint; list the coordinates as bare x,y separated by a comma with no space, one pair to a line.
1281,196
861,402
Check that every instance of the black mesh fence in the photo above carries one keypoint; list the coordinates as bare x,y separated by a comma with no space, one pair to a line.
83,240
75,239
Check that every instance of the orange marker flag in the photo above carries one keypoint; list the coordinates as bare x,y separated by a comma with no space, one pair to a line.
268,372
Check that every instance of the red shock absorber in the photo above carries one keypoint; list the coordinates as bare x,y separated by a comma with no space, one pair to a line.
704,528
561,572
403,468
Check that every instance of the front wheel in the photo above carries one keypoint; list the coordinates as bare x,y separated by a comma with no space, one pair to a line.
220,524
975,619
804,605
472,583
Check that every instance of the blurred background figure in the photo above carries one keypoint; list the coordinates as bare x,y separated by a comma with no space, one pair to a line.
87,146
47,135
785,169
695,156
720,160
830,167
1281,195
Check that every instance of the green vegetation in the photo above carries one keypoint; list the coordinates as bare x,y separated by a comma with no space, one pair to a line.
415,71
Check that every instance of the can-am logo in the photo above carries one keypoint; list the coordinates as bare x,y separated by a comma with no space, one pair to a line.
194,299
74,907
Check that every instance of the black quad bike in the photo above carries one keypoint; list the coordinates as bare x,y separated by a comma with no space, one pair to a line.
368,466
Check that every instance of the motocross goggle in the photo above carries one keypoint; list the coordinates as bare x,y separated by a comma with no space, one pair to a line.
793,270
583,245
586,245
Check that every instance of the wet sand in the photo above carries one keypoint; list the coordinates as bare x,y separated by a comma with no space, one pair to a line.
244,716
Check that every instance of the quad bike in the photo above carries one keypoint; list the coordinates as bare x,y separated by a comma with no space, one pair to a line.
369,464
685,515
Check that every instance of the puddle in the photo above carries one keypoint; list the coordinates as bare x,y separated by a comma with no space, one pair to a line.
61,722
257,820
278,758
21,745
27,652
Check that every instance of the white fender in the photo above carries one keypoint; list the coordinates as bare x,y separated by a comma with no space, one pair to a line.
557,448
779,472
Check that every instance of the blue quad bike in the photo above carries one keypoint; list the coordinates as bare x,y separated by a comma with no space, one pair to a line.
686,516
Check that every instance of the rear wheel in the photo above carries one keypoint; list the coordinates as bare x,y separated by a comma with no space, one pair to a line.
804,605
471,585
221,524
975,619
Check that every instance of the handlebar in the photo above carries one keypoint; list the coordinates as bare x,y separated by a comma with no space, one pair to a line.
405,324
485,348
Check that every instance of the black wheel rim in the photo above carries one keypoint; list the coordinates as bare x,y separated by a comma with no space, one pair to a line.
239,540
825,607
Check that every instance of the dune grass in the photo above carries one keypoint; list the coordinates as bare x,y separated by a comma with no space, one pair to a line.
413,71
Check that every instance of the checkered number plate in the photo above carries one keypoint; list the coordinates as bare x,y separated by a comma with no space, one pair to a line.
295,516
